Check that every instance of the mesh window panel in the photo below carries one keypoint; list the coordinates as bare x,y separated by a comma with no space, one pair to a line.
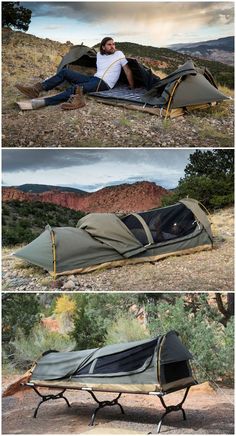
166,223
125,361
176,370
136,228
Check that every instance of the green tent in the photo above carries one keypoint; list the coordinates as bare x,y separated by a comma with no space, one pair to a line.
109,239
159,364
185,89
153,367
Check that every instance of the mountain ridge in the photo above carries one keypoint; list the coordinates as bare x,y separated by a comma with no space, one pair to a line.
134,197
221,49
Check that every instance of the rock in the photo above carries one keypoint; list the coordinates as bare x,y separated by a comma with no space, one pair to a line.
69,285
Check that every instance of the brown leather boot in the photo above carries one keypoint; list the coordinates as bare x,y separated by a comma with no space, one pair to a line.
31,91
76,101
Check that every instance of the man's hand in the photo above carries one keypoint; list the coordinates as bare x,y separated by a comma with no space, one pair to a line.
129,75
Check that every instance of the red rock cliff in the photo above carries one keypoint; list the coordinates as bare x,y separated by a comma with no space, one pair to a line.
139,196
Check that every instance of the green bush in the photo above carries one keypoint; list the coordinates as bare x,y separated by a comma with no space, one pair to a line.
24,221
89,324
208,340
126,329
28,348
19,311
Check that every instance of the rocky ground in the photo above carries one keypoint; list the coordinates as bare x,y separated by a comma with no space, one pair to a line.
204,271
99,125
208,412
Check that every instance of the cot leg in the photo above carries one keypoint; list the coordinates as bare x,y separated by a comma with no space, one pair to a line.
49,397
175,408
102,404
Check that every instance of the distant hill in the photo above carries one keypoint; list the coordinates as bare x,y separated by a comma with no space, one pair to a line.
221,49
37,188
120,198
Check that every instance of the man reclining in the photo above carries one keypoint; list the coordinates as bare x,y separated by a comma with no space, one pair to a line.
109,64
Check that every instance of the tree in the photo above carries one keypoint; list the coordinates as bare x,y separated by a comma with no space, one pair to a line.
209,178
227,310
213,164
15,16
89,329
19,311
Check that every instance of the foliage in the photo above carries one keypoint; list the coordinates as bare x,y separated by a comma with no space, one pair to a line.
125,329
19,311
26,350
200,331
65,308
65,304
24,221
89,327
94,315
213,163
15,16
209,178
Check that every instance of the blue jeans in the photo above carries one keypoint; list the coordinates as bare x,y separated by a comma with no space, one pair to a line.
89,83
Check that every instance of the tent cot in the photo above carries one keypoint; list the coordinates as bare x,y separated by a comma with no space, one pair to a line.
150,367
106,240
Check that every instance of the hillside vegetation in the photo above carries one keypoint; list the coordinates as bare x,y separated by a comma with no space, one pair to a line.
24,221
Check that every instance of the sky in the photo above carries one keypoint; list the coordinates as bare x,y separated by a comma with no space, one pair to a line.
148,23
93,169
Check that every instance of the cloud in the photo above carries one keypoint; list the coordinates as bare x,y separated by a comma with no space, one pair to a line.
152,23
93,168
38,159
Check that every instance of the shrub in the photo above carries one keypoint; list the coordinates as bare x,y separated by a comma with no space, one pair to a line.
208,340
28,348
126,329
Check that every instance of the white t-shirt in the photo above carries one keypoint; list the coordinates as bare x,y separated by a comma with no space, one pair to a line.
109,67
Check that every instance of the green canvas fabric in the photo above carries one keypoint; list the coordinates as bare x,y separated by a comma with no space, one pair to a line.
197,86
54,366
173,350
39,251
110,230
75,249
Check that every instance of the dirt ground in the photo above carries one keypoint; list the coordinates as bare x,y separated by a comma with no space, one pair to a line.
99,125
204,271
207,411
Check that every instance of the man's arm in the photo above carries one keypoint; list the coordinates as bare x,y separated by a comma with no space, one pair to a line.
129,75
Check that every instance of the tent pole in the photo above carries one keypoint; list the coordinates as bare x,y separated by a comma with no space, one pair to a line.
171,96
54,255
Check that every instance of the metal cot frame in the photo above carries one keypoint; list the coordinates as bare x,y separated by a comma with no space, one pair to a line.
101,404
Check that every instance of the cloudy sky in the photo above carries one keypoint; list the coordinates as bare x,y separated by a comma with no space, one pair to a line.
92,169
149,23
